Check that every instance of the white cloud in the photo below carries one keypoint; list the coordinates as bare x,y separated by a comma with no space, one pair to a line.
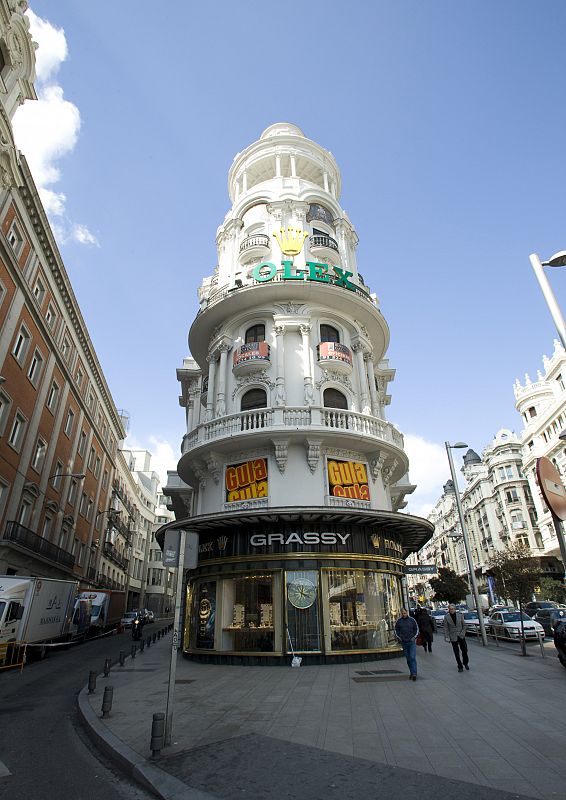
163,456
59,121
429,469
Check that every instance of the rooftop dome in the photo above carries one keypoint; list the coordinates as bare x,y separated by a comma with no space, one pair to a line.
281,128
471,457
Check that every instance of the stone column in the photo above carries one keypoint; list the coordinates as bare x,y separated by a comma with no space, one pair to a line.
210,391
280,399
358,349
372,386
221,397
307,377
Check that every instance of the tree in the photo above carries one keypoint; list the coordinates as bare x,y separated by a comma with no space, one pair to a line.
449,586
551,589
517,572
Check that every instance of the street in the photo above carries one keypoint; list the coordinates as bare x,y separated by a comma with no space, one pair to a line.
43,746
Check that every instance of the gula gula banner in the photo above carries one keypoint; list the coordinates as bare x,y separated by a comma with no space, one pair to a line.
348,479
247,480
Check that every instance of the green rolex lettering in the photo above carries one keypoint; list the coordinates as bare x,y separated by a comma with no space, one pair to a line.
318,272
288,274
342,278
261,274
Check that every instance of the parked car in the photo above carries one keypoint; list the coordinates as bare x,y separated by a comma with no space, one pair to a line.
499,607
532,608
508,624
128,619
548,617
471,621
438,617
560,641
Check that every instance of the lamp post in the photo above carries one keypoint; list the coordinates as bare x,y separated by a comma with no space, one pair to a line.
557,260
471,570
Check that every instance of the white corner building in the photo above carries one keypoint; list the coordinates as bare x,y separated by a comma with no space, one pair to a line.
290,472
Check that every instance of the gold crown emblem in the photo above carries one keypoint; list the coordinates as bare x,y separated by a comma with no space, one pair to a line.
375,540
222,542
291,241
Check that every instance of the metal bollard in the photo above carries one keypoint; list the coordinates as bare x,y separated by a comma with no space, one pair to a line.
541,642
154,638
142,644
122,658
158,635
157,734
91,681
134,651
107,701
107,665
148,641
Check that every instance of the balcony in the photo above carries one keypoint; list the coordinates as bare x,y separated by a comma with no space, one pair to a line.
335,355
323,247
250,357
37,544
256,246
112,553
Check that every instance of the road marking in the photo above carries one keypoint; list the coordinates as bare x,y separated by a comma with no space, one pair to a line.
4,771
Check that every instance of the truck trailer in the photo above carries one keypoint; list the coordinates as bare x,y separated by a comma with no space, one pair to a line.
96,611
35,611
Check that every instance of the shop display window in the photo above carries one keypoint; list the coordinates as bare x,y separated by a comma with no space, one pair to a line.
362,609
303,628
248,613
203,615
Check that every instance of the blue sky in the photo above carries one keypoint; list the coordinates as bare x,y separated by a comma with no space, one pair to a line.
446,119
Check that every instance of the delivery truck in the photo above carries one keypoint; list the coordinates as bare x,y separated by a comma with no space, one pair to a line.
96,611
36,611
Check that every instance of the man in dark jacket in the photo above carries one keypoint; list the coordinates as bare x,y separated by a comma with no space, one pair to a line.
455,633
406,631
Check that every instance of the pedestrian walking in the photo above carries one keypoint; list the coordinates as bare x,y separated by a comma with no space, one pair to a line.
406,631
455,633
427,627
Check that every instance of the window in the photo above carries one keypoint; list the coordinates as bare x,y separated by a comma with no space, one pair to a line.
35,367
15,239
79,378
81,556
56,483
156,577
82,507
39,454
329,334
46,528
66,348
532,412
90,401
91,458
5,403
72,492
254,398
51,316
560,382
69,422
39,291
511,495
24,513
89,509
105,479
2,292
97,465
255,334
53,397
21,345
82,443
157,555
332,398
17,433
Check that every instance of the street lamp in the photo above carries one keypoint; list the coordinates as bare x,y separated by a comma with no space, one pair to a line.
471,570
557,260
79,475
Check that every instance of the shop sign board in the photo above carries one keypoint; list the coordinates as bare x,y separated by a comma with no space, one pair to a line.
321,273
246,481
348,479
252,351
551,486
421,569
171,547
334,351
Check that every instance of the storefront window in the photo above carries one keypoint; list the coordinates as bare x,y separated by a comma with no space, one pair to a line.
362,609
303,634
203,615
248,623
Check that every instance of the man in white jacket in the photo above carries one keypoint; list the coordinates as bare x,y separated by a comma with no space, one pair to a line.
455,633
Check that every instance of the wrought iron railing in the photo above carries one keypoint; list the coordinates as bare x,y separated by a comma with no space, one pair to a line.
27,538
323,241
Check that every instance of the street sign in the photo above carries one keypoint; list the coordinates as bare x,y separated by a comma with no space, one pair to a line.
420,569
551,486
171,549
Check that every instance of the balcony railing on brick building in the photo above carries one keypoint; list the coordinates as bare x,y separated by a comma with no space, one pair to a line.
112,553
27,538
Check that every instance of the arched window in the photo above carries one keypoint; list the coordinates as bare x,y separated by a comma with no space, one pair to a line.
329,334
255,398
332,398
255,334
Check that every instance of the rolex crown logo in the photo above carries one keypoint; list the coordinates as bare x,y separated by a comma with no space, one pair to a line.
375,540
222,541
291,240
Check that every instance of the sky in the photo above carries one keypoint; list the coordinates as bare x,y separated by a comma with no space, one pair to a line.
447,122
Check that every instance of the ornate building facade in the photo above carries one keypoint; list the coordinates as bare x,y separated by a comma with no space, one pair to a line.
290,472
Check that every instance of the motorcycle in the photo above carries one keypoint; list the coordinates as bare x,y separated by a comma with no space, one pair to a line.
137,630
560,641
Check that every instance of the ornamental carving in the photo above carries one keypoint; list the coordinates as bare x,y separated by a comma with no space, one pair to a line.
313,449
388,470
292,308
281,452
213,467
376,464
329,375
338,453
246,380
309,394
280,398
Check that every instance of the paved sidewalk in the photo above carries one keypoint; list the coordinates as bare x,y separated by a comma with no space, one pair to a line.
346,731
